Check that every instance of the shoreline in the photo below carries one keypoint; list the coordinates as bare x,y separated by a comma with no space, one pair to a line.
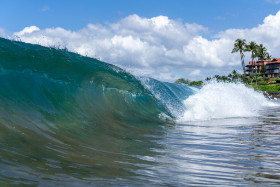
275,94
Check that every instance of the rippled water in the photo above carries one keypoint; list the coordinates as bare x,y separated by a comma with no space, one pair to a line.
68,120
236,151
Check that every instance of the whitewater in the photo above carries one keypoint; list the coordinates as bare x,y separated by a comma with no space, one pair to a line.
70,120
224,100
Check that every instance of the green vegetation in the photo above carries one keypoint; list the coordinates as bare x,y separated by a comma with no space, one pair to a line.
266,87
257,51
252,47
239,46
196,83
183,81
256,81
231,77
188,82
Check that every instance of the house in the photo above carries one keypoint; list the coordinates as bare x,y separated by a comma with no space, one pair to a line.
272,67
256,66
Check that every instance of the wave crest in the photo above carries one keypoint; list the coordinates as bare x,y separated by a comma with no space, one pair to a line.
223,100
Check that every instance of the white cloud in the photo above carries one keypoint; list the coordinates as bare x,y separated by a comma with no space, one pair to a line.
2,32
195,72
266,33
26,30
158,47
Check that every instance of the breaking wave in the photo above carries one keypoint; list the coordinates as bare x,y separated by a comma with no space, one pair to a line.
66,118
224,100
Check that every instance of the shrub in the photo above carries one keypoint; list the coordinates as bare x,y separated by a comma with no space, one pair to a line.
181,80
263,83
266,78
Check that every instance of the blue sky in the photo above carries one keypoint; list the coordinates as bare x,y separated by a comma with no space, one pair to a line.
216,15
164,39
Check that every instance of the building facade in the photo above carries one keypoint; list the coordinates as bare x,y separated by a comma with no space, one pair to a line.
270,68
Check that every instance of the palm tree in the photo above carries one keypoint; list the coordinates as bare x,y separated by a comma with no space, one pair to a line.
268,56
239,46
234,74
252,46
208,78
217,77
230,77
261,52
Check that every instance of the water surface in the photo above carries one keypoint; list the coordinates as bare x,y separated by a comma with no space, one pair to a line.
69,120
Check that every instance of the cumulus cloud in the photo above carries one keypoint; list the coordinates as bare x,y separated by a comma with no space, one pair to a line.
27,30
158,47
266,33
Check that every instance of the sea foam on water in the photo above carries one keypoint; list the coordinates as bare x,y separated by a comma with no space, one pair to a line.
223,100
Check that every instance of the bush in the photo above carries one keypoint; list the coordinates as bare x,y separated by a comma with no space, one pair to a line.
266,78
263,83
196,83
273,88
269,87
181,80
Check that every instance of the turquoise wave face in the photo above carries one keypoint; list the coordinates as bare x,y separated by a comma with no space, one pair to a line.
65,117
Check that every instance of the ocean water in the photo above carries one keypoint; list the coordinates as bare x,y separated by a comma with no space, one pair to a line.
69,120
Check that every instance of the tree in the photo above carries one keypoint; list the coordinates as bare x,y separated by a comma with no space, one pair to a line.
217,77
230,76
188,82
256,77
196,83
261,52
184,81
253,47
239,46
268,56
251,78
208,78
235,75
225,78
263,70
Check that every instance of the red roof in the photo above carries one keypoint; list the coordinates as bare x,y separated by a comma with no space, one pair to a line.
256,63
275,61
264,62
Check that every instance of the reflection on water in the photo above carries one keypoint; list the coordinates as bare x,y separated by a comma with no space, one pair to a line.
236,151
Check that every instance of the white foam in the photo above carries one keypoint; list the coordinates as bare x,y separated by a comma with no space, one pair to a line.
223,100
